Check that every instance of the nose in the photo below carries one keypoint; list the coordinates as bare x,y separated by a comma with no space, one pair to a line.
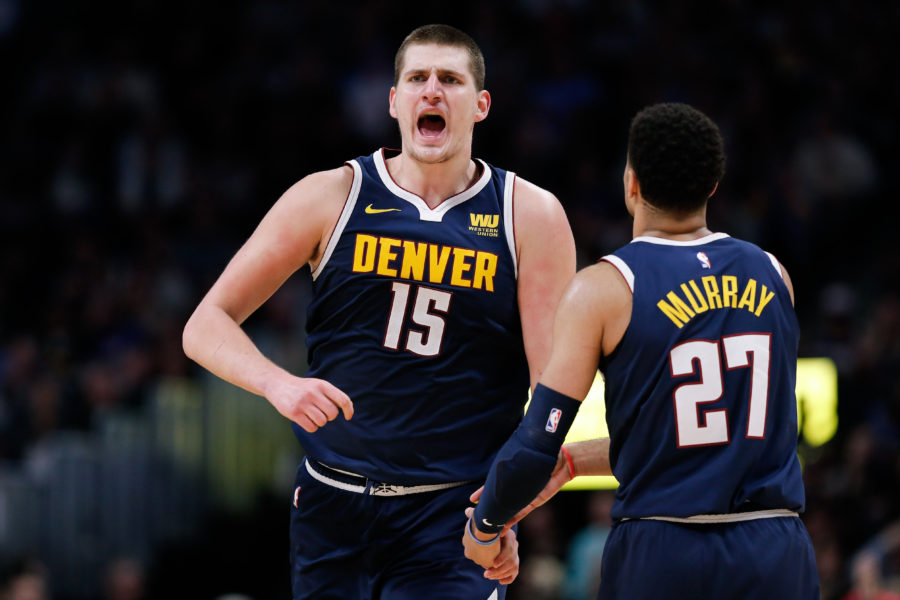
432,89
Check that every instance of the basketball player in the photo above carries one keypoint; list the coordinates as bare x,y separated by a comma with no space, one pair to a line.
435,280
696,336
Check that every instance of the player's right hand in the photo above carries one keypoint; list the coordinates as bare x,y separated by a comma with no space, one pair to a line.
506,565
558,478
309,402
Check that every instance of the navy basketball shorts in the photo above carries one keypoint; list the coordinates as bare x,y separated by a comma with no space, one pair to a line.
348,545
761,559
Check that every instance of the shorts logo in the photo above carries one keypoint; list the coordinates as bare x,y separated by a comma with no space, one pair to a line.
553,420
297,497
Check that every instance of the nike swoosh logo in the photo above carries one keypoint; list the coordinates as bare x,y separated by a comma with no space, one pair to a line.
375,211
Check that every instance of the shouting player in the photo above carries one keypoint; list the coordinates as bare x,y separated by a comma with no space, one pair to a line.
435,279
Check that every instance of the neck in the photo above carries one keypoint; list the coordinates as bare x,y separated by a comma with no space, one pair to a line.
650,221
433,182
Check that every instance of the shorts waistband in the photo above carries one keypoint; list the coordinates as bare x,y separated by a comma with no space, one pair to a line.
360,484
735,517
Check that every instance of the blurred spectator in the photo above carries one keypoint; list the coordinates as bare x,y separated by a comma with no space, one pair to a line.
541,572
833,166
125,580
868,582
541,577
27,580
582,580
151,168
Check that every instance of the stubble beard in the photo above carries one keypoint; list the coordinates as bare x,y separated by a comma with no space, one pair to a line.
429,159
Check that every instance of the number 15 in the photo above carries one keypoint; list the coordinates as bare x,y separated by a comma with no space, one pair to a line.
423,343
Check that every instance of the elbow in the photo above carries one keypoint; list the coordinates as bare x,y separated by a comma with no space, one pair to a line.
189,337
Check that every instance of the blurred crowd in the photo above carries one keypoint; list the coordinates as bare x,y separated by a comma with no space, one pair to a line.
141,142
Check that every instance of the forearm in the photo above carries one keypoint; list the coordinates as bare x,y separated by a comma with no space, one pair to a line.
525,462
216,342
517,476
590,457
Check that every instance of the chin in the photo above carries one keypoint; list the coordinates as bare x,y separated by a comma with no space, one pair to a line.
429,154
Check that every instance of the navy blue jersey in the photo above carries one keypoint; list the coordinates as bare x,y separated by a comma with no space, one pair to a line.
415,317
700,399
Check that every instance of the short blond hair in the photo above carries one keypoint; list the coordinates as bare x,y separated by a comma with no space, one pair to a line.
443,35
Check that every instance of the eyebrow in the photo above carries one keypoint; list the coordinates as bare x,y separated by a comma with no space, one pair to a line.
440,72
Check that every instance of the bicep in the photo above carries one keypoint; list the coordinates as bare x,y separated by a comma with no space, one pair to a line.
575,351
546,257
592,307
287,238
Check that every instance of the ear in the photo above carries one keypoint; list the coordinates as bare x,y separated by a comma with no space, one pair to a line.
630,182
715,187
391,108
632,188
482,105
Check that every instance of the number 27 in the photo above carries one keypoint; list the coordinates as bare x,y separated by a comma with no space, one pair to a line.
749,350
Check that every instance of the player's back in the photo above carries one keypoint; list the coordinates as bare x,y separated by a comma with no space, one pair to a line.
700,392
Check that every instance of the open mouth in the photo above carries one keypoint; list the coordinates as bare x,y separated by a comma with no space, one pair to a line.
431,125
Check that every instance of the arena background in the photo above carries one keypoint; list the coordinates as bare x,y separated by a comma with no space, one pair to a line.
141,141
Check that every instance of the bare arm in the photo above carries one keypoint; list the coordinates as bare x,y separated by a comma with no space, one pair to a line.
546,257
590,457
293,233
592,317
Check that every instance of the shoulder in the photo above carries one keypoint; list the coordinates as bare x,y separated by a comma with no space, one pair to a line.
333,184
306,213
532,200
319,196
776,264
539,217
599,302
596,306
784,274
599,286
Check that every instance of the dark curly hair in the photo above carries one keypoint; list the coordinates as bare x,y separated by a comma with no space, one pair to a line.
677,154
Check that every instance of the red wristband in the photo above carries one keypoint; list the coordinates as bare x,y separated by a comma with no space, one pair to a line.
569,462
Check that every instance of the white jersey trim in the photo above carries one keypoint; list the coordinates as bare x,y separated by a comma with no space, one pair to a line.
342,220
436,214
624,269
775,264
667,242
724,518
508,221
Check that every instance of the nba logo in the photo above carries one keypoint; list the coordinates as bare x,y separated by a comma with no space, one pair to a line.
704,260
553,420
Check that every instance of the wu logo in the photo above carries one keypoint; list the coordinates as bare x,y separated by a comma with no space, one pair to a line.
484,220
